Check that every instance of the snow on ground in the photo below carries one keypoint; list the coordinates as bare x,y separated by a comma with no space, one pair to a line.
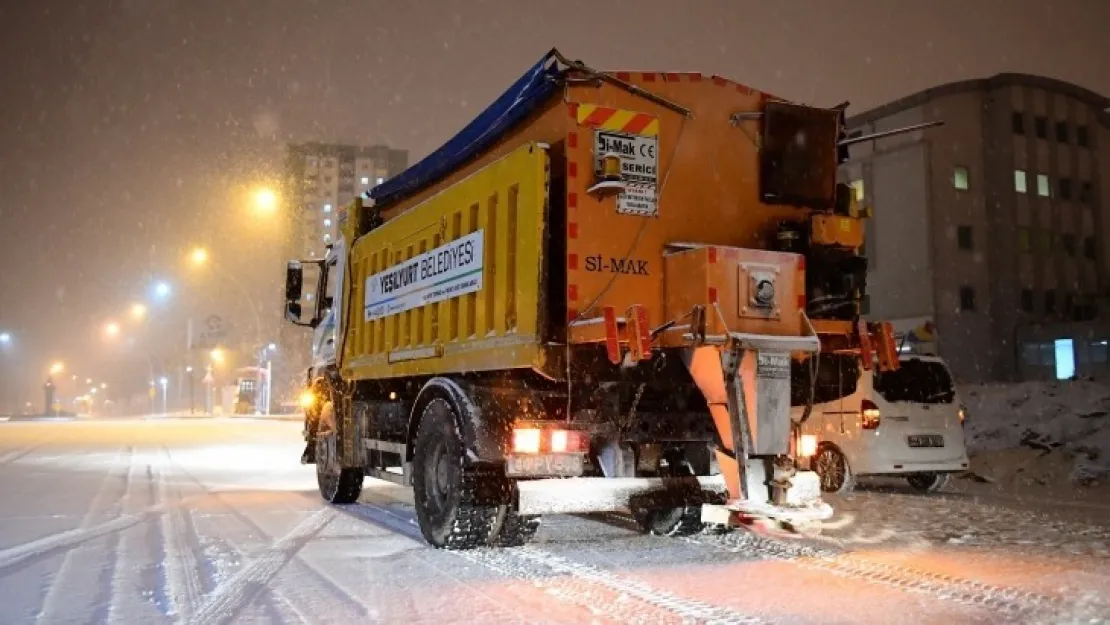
1012,426
214,521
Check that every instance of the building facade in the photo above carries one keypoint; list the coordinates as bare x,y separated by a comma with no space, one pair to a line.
992,229
319,179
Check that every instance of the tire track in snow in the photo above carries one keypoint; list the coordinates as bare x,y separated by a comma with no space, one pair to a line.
304,591
70,585
125,597
179,544
1011,601
238,591
599,592
13,456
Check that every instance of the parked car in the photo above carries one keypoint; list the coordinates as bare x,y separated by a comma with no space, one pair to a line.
906,423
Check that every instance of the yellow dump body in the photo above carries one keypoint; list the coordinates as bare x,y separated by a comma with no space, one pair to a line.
691,169
484,237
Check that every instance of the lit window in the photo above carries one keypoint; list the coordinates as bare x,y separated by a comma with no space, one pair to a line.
365,180
857,189
327,208
1043,189
1019,181
959,178
380,180
327,223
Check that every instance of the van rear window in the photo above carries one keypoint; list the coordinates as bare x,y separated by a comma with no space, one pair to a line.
918,381
837,377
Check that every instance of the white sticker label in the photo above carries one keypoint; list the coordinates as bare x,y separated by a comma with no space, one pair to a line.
639,155
638,199
446,272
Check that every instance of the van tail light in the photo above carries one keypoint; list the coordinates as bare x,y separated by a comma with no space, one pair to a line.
869,415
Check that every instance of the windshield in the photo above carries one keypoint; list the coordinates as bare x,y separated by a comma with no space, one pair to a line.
920,381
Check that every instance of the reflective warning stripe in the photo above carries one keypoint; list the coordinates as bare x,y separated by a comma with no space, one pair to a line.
617,120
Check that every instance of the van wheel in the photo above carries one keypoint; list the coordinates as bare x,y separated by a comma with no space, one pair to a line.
928,482
448,492
832,467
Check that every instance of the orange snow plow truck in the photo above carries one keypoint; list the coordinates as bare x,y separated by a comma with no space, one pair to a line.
604,294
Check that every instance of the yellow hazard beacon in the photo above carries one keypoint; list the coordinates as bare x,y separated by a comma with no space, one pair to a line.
604,294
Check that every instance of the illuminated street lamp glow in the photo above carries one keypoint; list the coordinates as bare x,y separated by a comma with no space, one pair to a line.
265,199
88,380
5,338
217,356
111,329
198,256
162,290
163,381
138,311
57,368
272,347
103,385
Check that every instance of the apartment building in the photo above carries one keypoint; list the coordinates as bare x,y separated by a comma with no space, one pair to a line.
991,230
319,179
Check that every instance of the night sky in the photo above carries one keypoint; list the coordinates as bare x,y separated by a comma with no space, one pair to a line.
131,129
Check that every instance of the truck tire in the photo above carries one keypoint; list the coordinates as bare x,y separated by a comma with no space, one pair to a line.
516,530
337,484
449,493
680,521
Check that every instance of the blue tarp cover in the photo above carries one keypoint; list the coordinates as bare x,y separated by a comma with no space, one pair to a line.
524,96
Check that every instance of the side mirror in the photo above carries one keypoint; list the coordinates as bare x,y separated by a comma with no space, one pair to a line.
293,311
294,282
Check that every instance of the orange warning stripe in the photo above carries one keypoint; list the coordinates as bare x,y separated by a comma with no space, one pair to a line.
617,120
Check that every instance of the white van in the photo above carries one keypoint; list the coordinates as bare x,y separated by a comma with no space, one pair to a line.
906,423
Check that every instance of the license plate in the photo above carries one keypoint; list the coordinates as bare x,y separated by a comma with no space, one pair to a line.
926,440
544,465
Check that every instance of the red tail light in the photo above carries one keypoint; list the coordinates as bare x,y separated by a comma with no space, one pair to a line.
869,415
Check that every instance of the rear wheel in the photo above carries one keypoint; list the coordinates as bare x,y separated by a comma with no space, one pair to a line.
451,496
928,482
516,530
679,521
832,467
338,484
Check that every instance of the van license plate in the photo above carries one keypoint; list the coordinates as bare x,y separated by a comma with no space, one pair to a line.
544,465
926,440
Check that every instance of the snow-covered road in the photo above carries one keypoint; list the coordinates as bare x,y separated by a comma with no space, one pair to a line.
212,521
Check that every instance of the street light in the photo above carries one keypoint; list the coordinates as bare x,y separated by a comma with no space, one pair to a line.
5,338
111,329
217,356
198,256
138,311
162,289
265,200
57,367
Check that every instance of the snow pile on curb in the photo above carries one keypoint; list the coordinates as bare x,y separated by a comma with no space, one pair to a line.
1054,423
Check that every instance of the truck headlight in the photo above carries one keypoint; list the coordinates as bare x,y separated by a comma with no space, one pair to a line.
307,399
